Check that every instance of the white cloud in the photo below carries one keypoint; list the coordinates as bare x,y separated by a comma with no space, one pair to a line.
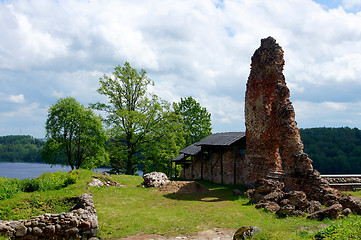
52,49
23,111
329,114
351,4
17,98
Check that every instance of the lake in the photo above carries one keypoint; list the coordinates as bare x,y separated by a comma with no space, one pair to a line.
32,170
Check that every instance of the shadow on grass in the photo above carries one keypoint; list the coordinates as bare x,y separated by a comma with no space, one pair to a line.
216,193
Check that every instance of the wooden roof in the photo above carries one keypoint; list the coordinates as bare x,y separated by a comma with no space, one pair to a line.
192,150
221,139
216,139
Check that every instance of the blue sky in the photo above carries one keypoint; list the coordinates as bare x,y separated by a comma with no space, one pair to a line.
52,49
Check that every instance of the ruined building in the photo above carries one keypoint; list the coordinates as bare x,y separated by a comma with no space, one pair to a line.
280,173
273,165
274,146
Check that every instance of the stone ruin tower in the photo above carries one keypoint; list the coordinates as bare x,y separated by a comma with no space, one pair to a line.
274,159
274,146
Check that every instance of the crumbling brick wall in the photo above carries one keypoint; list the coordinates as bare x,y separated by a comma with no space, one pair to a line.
281,173
274,144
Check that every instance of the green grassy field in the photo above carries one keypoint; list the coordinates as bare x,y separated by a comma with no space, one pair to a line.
133,210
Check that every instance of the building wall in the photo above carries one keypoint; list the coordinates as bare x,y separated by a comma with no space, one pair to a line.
214,160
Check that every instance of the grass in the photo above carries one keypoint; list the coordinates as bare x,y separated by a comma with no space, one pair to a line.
348,228
134,210
23,205
47,181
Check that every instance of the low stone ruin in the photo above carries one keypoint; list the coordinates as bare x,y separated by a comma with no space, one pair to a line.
280,173
336,180
80,223
269,194
155,179
103,182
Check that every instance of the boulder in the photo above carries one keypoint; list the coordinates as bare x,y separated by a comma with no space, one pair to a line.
265,186
275,196
333,212
246,232
346,212
351,202
155,179
298,199
21,231
286,210
269,206
314,207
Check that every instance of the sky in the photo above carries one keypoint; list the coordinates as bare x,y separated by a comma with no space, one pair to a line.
51,49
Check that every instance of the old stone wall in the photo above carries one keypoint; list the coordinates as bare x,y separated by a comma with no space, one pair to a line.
281,174
81,222
274,144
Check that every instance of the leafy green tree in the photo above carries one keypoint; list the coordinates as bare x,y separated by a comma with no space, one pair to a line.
168,139
134,117
196,119
75,136
333,150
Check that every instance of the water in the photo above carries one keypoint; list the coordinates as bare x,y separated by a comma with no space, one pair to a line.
32,170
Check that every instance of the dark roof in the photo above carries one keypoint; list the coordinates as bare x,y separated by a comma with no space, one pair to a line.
221,139
191,150
178,158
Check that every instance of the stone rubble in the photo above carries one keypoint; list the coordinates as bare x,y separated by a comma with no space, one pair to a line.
81,222
342,179
103,182
155,179
280,174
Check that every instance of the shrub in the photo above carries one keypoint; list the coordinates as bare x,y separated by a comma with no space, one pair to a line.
29,185
47,181
8,187
349,228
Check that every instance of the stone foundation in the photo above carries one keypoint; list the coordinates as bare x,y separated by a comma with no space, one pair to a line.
80,223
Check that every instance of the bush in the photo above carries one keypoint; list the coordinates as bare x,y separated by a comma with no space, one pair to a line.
56,181
47,181
8,187
29,185
349,228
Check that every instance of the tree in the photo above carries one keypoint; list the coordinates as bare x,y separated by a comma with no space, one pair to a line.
75,136
169,139
134,117
20,148
196,119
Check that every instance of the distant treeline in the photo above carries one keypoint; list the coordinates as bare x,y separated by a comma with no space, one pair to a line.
333,150
20,148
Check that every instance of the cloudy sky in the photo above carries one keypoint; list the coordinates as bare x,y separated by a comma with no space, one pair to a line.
201,48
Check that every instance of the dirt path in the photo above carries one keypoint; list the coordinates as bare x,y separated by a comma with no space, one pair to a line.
213,234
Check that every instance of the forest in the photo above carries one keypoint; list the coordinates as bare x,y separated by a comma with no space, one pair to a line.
333,150
20,148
